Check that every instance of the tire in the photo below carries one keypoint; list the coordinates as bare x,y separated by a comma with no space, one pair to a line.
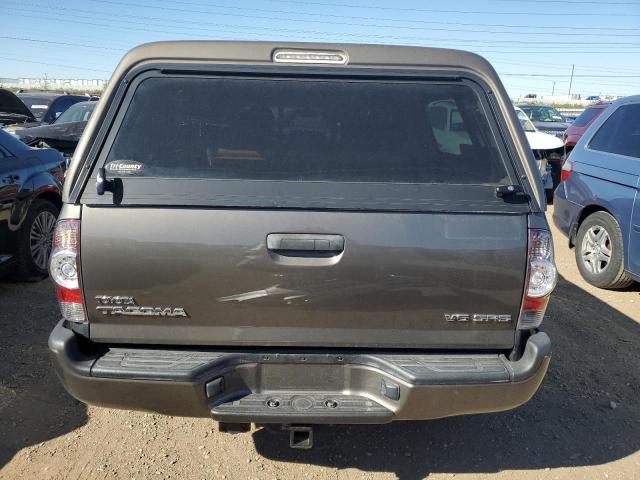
556,174
548,193
600,252
34,241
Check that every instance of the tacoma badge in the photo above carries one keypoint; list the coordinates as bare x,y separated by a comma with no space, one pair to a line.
124,305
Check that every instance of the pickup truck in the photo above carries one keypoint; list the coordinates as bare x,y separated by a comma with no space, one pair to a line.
280,234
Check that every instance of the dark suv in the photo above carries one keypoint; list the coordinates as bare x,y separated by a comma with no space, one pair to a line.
291,236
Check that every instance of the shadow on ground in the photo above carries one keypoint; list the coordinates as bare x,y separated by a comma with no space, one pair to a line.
33,405
570,422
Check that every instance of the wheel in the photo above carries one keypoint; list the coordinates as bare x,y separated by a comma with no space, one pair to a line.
34,240
600,252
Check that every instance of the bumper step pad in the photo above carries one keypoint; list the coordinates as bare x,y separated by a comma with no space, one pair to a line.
313,407
433,369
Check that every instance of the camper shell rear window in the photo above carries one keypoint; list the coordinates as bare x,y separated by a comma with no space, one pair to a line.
296,142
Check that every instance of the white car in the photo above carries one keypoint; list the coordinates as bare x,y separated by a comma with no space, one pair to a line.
548,150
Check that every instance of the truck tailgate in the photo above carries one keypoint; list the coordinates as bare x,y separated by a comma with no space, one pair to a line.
402,280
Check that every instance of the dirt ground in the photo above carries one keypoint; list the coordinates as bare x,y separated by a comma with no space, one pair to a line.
583,423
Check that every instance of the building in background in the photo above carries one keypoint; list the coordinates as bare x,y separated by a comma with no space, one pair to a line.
71,85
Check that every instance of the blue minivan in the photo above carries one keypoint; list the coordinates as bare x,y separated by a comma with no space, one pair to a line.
597,204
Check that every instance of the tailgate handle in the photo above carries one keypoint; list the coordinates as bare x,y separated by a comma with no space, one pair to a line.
309,242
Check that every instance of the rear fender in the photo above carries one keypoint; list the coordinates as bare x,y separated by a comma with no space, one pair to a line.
42,184
598,205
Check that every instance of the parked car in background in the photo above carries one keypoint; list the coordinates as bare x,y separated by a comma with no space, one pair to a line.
46,107
63,134
13,110
597,204
546,119
30,199
580,125
547,149
252,251
570,115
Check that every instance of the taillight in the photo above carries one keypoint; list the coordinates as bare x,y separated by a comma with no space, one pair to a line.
64,267
541,279
567,170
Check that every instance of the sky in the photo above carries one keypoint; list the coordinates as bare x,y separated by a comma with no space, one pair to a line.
532,44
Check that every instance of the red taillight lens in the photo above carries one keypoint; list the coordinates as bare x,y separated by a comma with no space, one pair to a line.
64,267
567,170
542,277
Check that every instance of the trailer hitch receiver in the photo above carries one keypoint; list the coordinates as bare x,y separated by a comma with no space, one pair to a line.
300,436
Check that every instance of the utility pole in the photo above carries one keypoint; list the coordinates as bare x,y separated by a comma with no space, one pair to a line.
571,81
553,89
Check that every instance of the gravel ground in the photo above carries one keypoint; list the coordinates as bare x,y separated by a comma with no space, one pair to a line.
583,423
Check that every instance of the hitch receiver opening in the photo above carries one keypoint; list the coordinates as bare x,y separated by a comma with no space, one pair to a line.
301,436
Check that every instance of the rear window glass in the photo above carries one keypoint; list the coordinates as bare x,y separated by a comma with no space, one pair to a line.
308,130
37,105
80,112
587,116
620,133
542,114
